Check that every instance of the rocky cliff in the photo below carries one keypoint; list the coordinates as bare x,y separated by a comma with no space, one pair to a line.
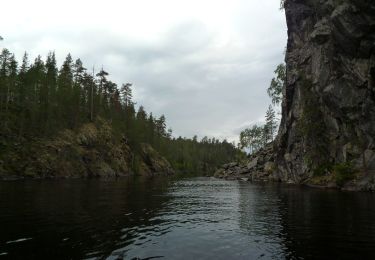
327,131
328,110
93,150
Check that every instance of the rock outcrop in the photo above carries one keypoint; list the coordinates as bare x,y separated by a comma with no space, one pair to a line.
327,131
153,163
90,151
258,167
328,110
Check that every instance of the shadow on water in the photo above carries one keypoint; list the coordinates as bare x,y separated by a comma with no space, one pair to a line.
292,222
327,224
75,218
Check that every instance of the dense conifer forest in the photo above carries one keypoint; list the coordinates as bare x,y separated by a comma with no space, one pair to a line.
38,100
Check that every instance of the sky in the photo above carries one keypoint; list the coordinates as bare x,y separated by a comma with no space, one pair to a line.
204,64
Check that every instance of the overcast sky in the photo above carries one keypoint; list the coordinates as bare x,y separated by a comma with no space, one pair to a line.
205,64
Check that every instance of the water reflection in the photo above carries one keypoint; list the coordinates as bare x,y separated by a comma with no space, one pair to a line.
260,219
75,218
292,222
200,223
198,218
324,224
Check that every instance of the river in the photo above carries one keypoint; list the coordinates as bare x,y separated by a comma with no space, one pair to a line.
195,218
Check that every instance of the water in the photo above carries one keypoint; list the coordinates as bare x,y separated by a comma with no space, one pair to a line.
199,218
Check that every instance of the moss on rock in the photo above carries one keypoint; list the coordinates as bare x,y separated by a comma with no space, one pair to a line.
90,151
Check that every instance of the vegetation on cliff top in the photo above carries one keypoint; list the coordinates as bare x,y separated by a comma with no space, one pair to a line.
38,102
254,138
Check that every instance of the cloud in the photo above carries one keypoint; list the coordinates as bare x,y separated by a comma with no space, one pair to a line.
204,64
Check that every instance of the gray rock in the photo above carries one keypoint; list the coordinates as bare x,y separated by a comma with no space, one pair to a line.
369,157
252,163
328,109
230,165
269,167
322,31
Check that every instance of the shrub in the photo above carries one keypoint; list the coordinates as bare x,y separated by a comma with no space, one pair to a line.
344,172
322,169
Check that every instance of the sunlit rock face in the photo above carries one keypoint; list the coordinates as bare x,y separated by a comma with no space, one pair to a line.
328,110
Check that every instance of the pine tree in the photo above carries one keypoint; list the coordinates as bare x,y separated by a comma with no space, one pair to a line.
12,84
64,92
51,84
102,80
90,94
126,94
271,124
23,102
78,97
38,94
38,100
109,89
161,126
151,129
169,133
127,101
4,84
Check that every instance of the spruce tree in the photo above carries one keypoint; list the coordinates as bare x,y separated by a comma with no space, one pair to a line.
271,124
38,95
51,84
64,93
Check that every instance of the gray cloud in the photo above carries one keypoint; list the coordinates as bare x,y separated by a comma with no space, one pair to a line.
205,83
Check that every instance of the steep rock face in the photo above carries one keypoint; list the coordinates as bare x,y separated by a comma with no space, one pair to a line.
328,111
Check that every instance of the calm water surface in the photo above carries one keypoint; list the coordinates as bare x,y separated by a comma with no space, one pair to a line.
198,218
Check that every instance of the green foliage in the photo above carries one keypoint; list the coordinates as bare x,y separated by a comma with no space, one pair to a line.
275,89
252,138
323,169
39,100
344,172
201,157
271,125
258,136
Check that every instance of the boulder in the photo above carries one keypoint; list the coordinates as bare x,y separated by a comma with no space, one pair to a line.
253,163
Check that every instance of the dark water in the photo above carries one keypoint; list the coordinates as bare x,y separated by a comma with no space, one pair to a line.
197,218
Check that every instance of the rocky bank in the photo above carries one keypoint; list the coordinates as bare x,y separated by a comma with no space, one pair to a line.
90,151
327,131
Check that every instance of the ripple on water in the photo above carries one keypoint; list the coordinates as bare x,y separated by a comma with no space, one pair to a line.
200,218
18,240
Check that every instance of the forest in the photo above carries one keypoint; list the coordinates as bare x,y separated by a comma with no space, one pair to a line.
38,100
